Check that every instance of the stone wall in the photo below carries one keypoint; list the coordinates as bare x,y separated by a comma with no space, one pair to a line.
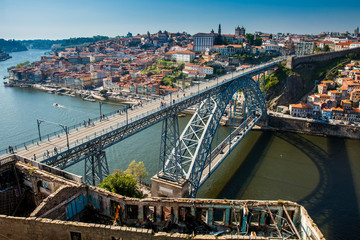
292,61
42,228
316,128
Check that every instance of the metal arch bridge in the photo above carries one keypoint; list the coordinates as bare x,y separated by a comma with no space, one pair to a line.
88,143
188,157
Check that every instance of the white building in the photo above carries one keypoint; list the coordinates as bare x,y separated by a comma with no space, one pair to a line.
181,56
197,71
355,45
203,41
108,84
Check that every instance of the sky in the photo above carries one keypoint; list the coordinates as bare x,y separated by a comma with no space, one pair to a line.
59,19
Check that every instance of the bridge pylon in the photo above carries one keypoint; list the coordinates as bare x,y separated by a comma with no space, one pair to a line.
96,167
170,147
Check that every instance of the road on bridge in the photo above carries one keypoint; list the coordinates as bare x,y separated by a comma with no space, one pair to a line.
98,128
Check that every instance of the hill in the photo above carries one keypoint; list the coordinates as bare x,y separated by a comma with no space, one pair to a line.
11,46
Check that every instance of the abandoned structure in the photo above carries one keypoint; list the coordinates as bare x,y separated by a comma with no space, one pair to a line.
40,202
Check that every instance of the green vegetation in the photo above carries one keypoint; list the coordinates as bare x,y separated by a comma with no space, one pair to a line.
22,64
82,40
250,59
11,46
121,183
125,183
250,38
103,91
138,170
169,65
41,43
258,41
304,78
278,76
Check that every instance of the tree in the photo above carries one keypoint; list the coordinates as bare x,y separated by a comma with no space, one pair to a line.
137,169
103,91
123,184
250,38
326,48
131,168
140,171
258,41
22,64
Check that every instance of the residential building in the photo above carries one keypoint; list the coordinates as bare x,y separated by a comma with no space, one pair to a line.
355,96
326,113
227,49
354,45
300,110
304,48
322,88
334,94
342,46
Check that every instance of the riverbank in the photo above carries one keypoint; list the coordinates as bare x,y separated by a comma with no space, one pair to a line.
4,56
316,128
87,95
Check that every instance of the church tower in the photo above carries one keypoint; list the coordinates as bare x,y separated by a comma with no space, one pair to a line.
237,31
242,31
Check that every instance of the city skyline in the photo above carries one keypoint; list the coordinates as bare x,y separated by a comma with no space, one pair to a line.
58,20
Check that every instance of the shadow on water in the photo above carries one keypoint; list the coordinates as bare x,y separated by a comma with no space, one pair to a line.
247,170
338,207
333,203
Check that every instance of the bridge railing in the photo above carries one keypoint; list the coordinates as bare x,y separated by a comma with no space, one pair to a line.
76,127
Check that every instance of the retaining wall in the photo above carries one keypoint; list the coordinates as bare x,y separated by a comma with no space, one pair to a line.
292,61
315,128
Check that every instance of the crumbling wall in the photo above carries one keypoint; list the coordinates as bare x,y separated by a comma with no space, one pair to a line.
54,206
42,228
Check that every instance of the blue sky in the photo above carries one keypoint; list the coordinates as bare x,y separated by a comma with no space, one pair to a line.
49,19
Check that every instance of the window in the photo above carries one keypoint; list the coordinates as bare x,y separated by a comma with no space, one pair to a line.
132,211
75,235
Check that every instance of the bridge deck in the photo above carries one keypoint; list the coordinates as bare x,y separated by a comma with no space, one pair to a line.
84,134
226,146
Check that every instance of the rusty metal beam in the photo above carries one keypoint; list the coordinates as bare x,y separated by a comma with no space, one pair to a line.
272,218
291,222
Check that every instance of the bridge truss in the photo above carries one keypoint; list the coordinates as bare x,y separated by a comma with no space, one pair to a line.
191,152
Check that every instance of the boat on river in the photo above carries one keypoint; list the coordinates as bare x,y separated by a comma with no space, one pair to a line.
8,84
98,97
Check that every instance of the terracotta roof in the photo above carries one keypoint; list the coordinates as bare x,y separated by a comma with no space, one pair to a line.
300,105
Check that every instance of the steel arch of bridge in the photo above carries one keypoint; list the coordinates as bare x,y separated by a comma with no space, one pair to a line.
190,154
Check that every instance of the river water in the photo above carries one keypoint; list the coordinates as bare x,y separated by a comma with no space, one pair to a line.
322,174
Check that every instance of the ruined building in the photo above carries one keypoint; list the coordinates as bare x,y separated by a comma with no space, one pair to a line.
41,202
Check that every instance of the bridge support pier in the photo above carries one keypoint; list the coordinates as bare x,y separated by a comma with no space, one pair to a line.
170,146
96,168
161,187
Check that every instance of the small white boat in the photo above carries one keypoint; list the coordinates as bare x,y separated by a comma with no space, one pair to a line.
56,105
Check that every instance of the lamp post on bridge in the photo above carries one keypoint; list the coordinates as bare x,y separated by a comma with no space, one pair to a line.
100,104
65,128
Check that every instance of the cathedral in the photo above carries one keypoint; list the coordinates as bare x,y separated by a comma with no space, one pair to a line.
239,31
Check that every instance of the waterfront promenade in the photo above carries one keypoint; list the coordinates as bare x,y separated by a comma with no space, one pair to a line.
83,134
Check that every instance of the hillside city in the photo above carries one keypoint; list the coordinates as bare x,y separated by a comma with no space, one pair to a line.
150,65
274,116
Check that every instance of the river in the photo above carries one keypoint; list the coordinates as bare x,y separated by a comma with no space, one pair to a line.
322,174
